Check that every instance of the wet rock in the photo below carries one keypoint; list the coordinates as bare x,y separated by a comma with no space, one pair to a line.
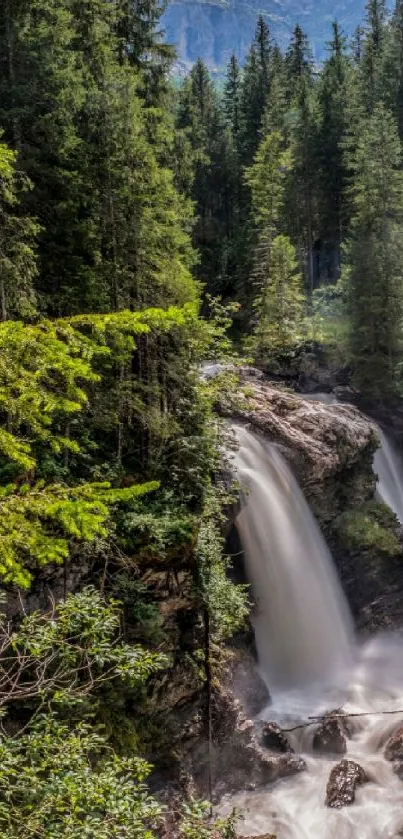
394,746
274,738
343,782
265,836
329,447
394,752
398,768
331,736
244,681
235,759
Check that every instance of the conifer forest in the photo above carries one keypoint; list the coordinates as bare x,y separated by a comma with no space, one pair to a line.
178,254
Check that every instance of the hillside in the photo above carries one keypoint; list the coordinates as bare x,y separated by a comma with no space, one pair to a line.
215,30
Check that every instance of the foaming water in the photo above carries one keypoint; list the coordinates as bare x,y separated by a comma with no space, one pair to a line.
303,626
295,808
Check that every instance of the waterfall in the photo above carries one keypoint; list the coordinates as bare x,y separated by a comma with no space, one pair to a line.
389,469
303,633
302,624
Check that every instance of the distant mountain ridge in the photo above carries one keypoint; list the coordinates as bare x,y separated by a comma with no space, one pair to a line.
215,29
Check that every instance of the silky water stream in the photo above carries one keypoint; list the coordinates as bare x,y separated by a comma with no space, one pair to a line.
312,664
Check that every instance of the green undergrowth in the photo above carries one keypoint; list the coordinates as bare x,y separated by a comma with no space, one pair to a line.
372,528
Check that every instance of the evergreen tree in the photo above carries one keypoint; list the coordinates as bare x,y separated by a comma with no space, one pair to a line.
357,44
278,300
17,250
301,198
41,95
392,71
141,41
232,91
255,90
114,231
333,100
371,63
214,187
373,276
299,62
279,305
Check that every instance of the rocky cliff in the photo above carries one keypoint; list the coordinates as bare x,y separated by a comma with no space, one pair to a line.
215,30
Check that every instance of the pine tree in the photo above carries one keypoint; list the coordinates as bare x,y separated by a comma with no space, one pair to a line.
232,92
41,95
357,44
301,209
265,179
279,305
298,61
277,105
373,276
141,42
214,188
392,70
114,231
17,237
334,94
278,301
371,63
255,90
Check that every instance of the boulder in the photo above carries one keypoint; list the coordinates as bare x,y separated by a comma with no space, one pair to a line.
343,782
274,738
394,746
235,759
394,751
331,736
329,447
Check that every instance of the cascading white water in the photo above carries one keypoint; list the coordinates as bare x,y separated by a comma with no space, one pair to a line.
389,469
303,627
295,808
304,633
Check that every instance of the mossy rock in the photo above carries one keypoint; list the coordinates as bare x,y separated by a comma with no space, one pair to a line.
367,545
372,528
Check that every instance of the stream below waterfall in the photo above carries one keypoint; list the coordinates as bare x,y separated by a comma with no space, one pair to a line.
310,660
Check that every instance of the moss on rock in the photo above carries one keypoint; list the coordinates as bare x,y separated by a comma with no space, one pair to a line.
372,528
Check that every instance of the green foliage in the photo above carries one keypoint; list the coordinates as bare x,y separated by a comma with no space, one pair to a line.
212,157
61,657
142,613
226,602
17,258
60,783
373,272
82,88
280,305
33,519
197,824
371,529
265,179
279,302
328,322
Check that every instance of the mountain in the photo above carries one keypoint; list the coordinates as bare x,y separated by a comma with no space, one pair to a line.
214,30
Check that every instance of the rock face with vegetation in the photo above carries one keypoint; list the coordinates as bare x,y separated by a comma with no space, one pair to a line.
213,31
